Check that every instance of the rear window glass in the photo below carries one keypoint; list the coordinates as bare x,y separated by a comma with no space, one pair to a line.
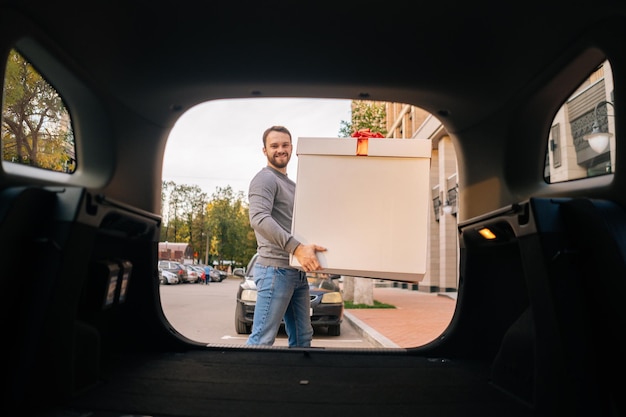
36,126
581,142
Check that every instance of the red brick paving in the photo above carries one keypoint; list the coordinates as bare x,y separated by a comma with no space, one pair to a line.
418,318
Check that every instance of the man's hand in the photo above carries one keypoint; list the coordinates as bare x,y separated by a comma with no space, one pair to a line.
307,257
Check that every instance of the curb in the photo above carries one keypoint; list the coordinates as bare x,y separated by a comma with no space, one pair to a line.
368,332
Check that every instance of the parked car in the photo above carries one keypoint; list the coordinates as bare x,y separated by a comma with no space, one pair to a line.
175,267
217,275
191,274
200,270
168,278
326,300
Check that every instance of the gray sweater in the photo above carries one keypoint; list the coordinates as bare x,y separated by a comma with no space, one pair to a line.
271,197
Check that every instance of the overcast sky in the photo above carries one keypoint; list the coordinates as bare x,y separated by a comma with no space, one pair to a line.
219,143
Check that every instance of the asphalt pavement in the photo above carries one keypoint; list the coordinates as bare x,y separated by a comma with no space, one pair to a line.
205,313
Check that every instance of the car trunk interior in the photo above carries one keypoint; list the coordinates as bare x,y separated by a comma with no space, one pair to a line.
122,357
538,328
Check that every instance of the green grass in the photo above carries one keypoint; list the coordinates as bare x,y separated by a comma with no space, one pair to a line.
377,304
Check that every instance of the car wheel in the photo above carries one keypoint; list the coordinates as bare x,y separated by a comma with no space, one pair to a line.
240,326
334,330
163,281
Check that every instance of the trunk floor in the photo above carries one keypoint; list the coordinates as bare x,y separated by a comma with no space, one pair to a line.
288,382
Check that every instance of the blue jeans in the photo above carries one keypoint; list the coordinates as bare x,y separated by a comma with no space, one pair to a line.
282,293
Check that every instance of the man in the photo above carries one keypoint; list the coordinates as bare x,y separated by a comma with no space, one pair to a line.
207,274
282,291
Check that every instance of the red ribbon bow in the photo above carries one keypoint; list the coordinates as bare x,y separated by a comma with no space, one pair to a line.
362,136
366,133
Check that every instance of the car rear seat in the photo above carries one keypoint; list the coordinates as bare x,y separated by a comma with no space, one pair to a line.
26,256
564,351
597,228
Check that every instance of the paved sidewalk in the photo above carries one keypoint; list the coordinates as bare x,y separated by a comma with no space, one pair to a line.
418,318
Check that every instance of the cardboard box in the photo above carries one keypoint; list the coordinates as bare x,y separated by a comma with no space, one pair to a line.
369,211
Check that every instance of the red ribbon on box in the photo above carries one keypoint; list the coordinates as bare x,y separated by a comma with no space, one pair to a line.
362,136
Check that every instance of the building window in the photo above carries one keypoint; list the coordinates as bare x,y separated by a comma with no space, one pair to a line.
555,145
436,201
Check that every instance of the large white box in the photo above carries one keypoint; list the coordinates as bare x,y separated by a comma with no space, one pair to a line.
369,211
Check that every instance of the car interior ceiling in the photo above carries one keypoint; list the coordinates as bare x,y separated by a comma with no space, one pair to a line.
538,329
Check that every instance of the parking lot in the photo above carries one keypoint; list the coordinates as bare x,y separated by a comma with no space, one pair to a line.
205,313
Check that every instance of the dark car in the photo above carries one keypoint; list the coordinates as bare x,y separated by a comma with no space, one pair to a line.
174,267
326,300
217,275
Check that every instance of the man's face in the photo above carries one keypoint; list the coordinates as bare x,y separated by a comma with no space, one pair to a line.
278,150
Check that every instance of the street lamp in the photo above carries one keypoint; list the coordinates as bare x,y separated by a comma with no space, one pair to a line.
450,203
598,141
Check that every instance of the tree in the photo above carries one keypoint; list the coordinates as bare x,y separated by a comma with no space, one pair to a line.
221,222
365,114
35,122
372,115
229,226
166,189
184,219
197,203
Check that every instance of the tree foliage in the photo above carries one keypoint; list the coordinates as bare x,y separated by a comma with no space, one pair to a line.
365,114
217,228
35,122
230,225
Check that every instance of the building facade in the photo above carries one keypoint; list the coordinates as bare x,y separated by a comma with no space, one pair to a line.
410,122
173,251
570,155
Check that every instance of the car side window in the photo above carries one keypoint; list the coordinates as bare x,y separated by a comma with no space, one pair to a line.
36,125
250,271
581,142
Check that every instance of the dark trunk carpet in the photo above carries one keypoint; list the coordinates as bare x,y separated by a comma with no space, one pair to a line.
285,382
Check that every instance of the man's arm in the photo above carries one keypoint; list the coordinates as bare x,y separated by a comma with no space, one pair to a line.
261,199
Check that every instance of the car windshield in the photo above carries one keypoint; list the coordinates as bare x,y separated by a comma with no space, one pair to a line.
323,281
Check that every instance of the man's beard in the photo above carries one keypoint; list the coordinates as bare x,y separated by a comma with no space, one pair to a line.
275,162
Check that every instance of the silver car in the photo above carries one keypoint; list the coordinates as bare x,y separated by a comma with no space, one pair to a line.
168,278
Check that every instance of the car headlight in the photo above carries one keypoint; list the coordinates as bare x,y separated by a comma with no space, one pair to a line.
332,298
248,295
